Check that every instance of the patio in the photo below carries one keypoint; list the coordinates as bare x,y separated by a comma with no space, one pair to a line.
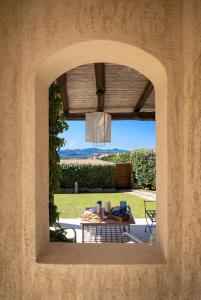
72,206
136,230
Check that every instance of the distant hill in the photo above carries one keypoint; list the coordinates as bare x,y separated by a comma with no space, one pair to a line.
88,152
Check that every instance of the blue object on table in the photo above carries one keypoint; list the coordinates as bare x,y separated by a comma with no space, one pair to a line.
123,204
122,212
99,203
123,208
119,212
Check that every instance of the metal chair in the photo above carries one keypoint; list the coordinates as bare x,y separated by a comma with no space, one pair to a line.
150,215
59,233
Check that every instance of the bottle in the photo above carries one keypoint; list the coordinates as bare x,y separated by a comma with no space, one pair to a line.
99,208
107,207
123,208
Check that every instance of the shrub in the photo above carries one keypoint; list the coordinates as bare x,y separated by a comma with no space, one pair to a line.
87,176
52,213
118,158
59,236
144,164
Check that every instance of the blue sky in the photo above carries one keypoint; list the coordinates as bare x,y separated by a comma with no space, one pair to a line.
127,135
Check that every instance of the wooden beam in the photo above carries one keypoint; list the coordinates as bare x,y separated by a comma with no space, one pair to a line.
141,116
147,91
61,81
100,84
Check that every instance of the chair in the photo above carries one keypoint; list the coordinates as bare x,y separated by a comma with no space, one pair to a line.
59,233
150,215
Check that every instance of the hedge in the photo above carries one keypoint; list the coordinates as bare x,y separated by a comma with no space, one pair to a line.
144,166
118,157
87,176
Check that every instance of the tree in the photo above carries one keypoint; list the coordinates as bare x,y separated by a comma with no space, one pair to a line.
57,125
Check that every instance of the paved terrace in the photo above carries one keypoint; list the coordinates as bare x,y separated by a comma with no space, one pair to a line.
136,230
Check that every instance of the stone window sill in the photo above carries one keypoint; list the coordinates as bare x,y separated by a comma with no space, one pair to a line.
113,254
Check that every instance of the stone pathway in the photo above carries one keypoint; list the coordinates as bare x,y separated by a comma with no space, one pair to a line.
149,195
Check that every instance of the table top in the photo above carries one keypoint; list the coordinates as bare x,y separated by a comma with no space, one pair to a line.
107,221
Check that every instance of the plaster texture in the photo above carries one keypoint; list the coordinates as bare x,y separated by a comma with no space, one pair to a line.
39,41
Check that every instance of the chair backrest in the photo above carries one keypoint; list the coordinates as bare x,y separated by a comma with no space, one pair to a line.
149,205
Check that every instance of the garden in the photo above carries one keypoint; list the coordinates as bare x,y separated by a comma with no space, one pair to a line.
91,176
73,205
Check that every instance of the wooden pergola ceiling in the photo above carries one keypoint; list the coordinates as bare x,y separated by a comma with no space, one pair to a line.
116,89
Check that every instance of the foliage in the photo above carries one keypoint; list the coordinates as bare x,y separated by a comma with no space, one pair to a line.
144,162
59,236
118,158
52,213
56,125
144,166
87,176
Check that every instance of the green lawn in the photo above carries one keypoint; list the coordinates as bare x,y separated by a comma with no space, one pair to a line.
73,205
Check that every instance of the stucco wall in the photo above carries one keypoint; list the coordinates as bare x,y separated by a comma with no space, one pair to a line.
10,145
31,33
191,254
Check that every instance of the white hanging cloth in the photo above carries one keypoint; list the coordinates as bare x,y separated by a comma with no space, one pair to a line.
98,127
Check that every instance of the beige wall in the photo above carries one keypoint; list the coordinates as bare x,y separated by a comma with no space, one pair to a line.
10,149
191,252
31,34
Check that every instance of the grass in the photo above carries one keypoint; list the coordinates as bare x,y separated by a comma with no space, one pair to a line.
73,205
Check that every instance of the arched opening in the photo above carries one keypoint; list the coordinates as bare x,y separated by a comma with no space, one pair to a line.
92,52
121,168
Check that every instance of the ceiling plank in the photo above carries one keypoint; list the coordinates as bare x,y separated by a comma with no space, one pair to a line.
143,98
100,84
62,83
141,116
